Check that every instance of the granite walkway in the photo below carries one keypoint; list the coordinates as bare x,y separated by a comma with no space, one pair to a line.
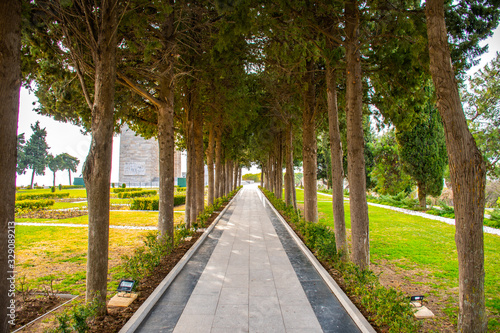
249,275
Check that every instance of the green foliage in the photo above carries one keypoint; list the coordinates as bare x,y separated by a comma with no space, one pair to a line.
252,177
124,185
494,219
35,152
76,319
386,307
32,196
401,200
70,186
152,203
31,205
135,194
388,173
483,113
423,150
148,256
53,189
130,189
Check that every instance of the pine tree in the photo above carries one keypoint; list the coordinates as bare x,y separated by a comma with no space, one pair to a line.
36,152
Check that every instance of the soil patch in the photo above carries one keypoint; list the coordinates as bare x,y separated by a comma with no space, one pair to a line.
30,306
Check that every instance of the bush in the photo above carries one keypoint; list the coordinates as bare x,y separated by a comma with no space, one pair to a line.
31,205
130,189
124,185
53,189
180,189
136,194
33,196
76,319
152,203
70,186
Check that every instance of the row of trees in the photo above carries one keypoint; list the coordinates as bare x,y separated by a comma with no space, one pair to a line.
252,81
34,155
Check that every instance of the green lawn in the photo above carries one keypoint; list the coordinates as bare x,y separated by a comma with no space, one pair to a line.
416,243
58,255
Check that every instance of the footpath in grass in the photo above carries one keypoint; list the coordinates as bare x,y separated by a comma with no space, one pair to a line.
421,253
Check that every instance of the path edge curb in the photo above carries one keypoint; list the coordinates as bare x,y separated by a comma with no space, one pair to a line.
138,317
358,318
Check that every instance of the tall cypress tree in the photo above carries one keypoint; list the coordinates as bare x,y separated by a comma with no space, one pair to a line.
36,151
423,151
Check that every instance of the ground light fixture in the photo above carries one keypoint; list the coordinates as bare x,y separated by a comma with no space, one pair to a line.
126,286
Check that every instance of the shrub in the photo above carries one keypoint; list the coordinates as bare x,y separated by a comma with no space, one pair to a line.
180,189
33,196
152,203
76,319
70,186
31,205
136,194
130,189
124,185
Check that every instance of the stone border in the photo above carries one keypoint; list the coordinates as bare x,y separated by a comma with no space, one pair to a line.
135,321
358,318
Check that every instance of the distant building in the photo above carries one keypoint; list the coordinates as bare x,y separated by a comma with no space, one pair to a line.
139,162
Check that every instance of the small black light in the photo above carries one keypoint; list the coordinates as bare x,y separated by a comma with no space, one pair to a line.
126,286
417,300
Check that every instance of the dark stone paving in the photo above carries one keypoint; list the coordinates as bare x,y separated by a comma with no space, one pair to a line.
330,313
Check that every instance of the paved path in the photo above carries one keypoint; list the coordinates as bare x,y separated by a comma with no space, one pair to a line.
248,276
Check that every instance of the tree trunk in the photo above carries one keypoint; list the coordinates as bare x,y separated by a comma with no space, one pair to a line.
467,172
309,149
236,169
337,167
190,211
54,178
10,81
262,173
421,195
199,164
210,165
289,166
240,176
97,166
69,172
32,178
355,139
218,164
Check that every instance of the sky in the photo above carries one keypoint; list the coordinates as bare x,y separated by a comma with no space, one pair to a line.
67,138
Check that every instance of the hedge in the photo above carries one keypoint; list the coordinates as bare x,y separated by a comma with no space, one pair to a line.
72,186
136,194
33,204
33,196
130,189
152,203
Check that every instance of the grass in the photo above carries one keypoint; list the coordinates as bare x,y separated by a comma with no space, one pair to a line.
415,243
60,254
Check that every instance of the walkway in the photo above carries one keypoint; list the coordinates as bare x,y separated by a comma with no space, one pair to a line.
249,275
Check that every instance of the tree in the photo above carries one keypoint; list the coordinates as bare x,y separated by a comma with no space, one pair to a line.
80,38
10,81
355,138
21,160
482,110
69,163
423,152
36,152
54,164
388,171
467,168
